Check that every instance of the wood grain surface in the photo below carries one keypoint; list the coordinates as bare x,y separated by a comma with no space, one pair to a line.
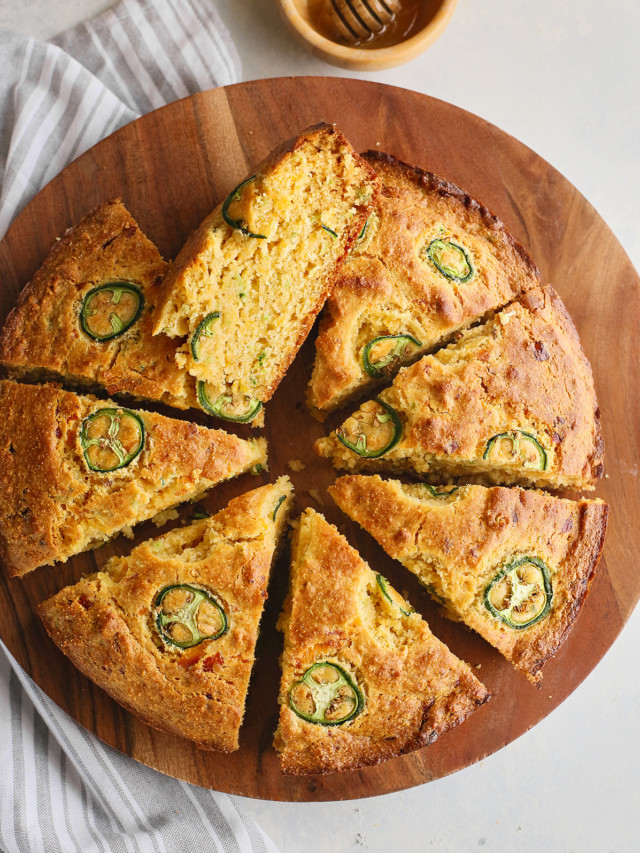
171,168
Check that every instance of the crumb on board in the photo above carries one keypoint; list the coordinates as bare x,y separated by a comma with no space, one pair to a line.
296,465
164,516
316,496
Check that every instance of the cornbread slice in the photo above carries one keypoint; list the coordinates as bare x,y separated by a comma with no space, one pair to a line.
363,677
512,401
170,630
249,282
85,316
431,261
514,565
74,471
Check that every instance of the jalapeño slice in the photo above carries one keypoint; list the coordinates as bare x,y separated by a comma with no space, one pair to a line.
326,695
392,596
186,615
109,310
239,224
204,330
516,446
380,353
364,230
240,410
451,259
440,492
111,439
432,592
329,230
279,503
371,431
200,513
520,594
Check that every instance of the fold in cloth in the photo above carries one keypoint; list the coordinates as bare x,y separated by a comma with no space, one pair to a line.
59,98
63,790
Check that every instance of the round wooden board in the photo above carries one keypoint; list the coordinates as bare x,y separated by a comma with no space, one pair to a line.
171,168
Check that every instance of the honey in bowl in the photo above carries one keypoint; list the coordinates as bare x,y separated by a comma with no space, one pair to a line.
371,23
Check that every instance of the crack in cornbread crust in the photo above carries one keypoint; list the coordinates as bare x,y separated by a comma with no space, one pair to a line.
457,545
43,338
415,688
104,622
385,287
54,506
524,370
217,262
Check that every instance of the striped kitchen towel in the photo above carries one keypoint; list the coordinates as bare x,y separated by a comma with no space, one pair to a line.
59,98
62,789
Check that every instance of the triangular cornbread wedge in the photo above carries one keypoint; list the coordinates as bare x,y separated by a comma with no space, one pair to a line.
169,631
430,261
512,401
74,471
512,564
85,316
249,282
363,677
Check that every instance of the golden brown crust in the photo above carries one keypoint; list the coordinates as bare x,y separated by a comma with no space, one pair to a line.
387,286
456,545
524,370
43,335
54,506
415,689
105,623
217,261
395,172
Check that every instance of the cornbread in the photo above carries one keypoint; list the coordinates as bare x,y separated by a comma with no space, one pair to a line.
74,471
430,261
170,630
85,316
363,677
249,282
512,564
511,401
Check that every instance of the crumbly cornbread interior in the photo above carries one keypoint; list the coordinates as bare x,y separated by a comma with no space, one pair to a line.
169,631
389,286
401,689
458,539
260,284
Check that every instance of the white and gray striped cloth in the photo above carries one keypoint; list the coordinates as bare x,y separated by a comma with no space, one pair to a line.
63,790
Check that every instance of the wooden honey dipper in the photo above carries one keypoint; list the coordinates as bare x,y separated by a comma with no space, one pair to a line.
358,20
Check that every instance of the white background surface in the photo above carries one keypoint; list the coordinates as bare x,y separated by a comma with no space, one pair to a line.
563,76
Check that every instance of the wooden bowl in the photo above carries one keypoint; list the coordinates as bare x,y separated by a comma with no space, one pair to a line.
302,17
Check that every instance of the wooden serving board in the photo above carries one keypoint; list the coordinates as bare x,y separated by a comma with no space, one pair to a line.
171,168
